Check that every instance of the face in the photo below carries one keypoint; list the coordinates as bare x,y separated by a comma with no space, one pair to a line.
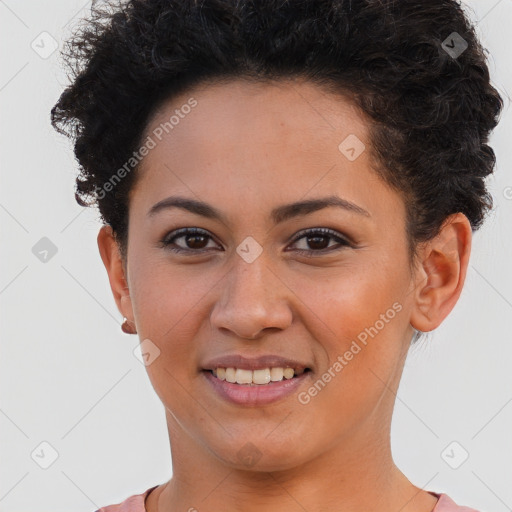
325,285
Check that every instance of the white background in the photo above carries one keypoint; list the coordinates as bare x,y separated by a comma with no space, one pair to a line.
69,376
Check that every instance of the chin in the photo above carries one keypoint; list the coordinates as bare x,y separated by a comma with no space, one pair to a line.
260,454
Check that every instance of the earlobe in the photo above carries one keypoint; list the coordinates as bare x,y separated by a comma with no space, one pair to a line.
111,257
441,273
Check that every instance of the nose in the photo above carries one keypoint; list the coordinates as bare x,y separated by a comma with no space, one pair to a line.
252,299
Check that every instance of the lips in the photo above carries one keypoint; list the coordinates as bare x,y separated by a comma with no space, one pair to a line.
254,395
258,363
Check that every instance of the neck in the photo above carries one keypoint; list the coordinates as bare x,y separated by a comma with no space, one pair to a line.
355,475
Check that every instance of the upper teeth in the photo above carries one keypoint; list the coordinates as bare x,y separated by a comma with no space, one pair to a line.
263,376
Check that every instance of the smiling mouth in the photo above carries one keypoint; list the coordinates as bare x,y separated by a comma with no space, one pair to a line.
259,377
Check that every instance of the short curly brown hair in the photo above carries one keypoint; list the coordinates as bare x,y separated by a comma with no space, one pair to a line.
431,108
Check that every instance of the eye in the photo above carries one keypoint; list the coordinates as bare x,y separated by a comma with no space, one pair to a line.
194,240
319,239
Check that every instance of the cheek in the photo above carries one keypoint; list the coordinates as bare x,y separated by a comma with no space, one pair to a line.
165,296
358,326
350,298
358,315
171,306
164,308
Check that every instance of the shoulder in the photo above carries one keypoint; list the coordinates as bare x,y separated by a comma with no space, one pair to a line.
133,503
446,504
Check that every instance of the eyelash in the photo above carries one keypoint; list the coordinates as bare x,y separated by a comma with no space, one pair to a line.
168,241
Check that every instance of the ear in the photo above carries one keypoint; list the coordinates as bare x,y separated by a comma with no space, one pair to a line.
111,256
441,272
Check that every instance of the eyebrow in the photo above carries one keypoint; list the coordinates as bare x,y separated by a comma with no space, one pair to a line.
278,215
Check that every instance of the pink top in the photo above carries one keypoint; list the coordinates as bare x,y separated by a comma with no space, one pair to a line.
135,503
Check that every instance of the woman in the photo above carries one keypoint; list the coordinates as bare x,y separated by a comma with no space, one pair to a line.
288,191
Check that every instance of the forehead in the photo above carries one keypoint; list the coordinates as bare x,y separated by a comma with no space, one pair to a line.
264,109
277,141
248,120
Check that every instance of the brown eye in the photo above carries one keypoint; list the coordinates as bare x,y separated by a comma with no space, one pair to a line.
319,240
193,240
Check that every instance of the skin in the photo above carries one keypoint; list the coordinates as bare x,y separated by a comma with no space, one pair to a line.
246,149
